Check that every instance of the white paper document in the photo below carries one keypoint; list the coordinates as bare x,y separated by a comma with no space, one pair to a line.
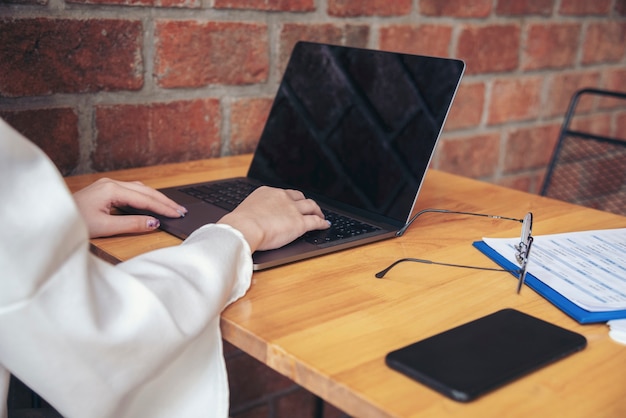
617,330
588,268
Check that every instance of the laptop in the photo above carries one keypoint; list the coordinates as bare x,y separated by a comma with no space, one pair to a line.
352,128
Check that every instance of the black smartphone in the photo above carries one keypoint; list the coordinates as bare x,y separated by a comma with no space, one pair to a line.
472,359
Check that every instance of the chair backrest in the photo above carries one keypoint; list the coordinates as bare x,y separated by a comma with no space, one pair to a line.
588,166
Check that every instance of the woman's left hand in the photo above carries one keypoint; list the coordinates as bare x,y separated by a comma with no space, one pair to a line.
97,201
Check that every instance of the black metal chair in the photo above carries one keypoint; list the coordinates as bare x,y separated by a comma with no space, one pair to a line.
589,168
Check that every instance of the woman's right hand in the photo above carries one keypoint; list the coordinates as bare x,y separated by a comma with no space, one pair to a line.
270,218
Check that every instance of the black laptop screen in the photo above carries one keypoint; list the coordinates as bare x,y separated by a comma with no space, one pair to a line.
356,125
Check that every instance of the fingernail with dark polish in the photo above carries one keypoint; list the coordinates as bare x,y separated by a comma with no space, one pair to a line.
153,223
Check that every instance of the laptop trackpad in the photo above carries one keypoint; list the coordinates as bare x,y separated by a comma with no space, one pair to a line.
199,214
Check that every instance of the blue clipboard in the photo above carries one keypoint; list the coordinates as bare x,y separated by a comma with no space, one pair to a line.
581,315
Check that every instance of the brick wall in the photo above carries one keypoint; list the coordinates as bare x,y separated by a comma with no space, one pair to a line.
108,84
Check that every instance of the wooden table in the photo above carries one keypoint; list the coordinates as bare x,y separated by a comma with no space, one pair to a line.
327,323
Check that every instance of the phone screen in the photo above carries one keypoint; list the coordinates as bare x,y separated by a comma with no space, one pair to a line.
465,362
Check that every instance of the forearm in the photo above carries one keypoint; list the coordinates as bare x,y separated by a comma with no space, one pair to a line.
95,333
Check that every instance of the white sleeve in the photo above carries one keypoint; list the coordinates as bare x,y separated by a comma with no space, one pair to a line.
138,339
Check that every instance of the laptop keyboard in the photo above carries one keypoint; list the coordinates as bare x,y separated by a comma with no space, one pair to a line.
228,195
341,227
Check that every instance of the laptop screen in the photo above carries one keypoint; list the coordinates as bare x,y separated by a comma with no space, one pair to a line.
356,126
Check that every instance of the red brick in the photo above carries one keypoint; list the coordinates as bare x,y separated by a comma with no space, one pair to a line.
456,8
276,5
620,7
195,54
326,33
585,7
530,148
423,39
535,179
620,126
35,2
523,182
598,124
604,42
474,156
356,35
562,86
193,4
492,48
587,104
55,131
349,8
514,100
551,46
143,135
524,7
615,80
46,56
467,109
247,119
291,33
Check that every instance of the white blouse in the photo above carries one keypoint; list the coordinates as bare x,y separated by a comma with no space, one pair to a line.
139,339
